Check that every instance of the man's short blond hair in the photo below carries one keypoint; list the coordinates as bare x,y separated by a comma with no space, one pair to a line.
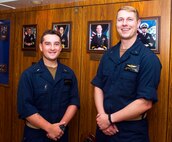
130,9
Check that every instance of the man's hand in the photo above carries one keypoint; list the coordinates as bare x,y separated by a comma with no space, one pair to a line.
55,132
111,130
102,121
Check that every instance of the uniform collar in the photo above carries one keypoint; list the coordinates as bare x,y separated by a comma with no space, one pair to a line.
41,69
133,50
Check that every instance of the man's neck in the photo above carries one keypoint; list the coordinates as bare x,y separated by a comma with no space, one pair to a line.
52,64
127,43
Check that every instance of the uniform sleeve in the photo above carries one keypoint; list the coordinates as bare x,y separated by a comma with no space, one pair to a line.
149,77
25,104
74,99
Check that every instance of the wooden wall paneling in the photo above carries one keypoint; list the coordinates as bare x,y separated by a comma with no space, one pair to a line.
6,90
76,55
5,110
23,61
72,58
169,124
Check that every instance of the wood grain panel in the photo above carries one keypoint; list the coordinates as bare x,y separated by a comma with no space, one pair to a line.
169,124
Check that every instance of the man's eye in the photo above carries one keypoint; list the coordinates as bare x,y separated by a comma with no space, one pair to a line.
119,20
47,43
130,19
57,44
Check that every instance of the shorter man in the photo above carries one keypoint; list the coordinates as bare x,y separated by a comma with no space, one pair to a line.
146,37
47,94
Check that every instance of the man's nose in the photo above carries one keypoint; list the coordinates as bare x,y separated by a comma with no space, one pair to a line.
52,47
124,22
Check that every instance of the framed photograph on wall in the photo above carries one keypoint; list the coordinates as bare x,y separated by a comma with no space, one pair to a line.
99,34
29,33
64,29
148,33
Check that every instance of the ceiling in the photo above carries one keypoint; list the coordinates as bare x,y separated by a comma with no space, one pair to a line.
17,4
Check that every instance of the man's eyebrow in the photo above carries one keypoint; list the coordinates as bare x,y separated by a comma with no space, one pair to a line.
47,41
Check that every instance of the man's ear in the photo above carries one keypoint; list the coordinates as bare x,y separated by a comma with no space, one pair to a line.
40,47
139,21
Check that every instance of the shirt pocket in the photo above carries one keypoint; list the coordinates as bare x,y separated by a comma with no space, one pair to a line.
66,90
128,83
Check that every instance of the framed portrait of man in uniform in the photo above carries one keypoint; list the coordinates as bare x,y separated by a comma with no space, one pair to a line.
64,29
99,33
148,33
29,33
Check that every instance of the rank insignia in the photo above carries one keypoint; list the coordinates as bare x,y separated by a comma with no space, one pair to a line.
132,68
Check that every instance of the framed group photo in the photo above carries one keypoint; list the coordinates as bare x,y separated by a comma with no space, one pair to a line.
64,29
99,35
29,33
148,33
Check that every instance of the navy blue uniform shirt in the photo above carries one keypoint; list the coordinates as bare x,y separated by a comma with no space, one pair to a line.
124,79
39,93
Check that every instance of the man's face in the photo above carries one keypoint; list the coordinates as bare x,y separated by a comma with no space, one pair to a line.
127,24
61,30
51,47
99,29
29,31
144,30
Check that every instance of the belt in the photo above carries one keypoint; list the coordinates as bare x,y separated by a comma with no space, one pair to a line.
141,117
31,126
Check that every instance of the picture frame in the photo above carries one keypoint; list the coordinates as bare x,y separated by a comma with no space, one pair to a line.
64,29
99,43
29,33
151,27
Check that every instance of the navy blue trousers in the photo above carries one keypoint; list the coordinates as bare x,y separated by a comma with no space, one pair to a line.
38,135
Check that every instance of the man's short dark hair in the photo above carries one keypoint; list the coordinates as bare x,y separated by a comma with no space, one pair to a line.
50,32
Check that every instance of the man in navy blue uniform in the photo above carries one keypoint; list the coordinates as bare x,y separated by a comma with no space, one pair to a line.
125,84
47,94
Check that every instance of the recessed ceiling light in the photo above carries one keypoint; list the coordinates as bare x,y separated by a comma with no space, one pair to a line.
3,1
37,1
8,6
